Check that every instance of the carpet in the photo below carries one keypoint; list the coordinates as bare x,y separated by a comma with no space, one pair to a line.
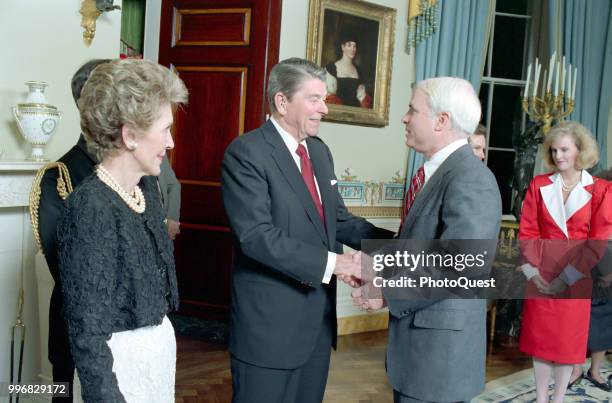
199,329
520,387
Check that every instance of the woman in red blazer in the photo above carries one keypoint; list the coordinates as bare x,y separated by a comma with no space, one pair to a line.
558,206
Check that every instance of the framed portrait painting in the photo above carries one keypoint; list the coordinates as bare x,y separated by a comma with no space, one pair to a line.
353,40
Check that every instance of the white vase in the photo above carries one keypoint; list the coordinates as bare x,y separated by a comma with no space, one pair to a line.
36,119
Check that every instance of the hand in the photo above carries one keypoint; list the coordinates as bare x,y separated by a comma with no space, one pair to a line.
348,268
366,273
557,286
541,284
173,228
361,92
360,300
605,281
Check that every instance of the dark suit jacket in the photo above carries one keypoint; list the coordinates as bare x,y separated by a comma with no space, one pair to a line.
170,189
278,300
436,348
80,165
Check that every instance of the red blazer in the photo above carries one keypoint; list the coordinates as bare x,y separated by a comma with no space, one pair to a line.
553,235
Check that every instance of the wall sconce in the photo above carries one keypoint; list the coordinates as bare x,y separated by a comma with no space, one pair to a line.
91,10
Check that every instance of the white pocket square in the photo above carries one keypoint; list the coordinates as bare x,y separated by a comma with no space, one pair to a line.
333,182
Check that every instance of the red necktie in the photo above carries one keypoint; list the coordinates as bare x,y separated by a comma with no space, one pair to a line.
416,183
308,176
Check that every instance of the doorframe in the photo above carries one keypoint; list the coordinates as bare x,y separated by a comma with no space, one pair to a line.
152,30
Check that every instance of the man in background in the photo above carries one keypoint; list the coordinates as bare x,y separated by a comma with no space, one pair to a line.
170,189
478,141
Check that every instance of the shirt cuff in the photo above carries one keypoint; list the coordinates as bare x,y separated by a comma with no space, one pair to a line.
570,275
529,271
329,268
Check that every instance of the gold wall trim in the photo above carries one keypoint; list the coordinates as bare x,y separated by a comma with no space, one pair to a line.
246,33
363,323
375,211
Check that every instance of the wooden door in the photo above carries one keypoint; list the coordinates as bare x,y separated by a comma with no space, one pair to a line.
223,51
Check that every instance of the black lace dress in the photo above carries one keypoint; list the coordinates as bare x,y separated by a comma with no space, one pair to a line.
347,86
117,274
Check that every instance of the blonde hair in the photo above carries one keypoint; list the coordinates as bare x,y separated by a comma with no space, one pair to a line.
125,92
588,152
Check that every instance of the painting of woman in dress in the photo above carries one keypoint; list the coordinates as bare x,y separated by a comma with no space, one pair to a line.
353,40
349,55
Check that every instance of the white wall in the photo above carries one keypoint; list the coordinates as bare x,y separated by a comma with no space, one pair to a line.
42,40
152,25
370,153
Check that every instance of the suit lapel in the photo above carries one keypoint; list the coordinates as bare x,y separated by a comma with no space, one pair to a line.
580,196
552,196
434,184
320,164
289,170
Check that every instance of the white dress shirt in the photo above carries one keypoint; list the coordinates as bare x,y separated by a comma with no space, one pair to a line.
432,164
292,146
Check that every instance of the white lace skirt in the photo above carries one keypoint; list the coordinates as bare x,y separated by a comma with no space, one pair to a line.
144,362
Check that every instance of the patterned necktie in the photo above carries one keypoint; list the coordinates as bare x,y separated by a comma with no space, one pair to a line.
416,183
308,176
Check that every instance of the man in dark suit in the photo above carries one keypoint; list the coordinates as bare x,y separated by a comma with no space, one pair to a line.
280,194
436,347
170,189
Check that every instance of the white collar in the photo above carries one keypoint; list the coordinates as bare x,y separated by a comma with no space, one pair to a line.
291,143
440,156
552,195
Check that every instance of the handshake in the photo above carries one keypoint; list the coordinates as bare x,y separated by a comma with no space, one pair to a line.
349,268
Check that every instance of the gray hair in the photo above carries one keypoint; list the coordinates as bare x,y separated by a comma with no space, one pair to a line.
127,92
288,76
455,96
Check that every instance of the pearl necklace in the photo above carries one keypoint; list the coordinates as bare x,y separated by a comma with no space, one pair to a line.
568,188
135,201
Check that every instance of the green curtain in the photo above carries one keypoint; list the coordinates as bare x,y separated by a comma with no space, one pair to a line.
456,49
132,27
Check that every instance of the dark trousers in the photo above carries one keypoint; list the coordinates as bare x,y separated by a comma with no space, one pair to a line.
63,372
399,398
59,347
306,384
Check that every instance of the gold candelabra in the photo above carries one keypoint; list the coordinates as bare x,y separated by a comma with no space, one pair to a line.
552,105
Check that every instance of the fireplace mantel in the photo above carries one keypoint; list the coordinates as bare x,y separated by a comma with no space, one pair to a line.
17,250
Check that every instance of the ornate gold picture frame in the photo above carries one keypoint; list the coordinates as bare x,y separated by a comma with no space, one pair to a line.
353,40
